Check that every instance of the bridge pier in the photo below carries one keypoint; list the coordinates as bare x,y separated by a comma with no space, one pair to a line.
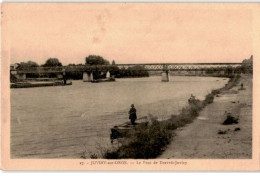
91,76
88,77
108,74
165,76
64,76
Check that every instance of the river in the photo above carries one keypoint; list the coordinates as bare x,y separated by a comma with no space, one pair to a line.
63,122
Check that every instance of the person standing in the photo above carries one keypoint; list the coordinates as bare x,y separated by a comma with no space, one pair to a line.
132,114
64,77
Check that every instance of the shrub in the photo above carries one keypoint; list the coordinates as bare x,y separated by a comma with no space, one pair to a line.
146,142
215,92
209,98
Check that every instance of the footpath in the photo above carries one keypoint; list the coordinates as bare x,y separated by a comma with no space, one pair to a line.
207,137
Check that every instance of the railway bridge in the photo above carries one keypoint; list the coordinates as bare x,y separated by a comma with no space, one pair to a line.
89,70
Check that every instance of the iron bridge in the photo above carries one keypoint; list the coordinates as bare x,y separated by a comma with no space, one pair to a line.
147,66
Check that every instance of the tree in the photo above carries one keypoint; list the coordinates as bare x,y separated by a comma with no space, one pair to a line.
27,65
52,62
113,62
30,65
137,71
247,65
96,60
229,70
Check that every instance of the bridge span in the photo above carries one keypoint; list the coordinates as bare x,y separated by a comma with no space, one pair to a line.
89,70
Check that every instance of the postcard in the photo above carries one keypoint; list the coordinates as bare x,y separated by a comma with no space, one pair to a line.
130,86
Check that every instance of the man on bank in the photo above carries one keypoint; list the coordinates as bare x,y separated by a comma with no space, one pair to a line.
64,77
132,114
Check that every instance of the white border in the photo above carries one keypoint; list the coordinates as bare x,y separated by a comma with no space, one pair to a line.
109,173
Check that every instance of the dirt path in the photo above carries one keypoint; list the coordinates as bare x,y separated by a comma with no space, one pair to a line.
200,139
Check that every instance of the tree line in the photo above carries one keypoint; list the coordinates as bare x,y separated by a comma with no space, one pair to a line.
91,60
135,71
246,67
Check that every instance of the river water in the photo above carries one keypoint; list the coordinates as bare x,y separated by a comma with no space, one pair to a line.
63,122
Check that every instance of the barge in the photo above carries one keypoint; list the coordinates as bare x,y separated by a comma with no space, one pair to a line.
38,84
103,80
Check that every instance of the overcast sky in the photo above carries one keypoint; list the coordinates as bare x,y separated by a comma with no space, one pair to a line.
129,33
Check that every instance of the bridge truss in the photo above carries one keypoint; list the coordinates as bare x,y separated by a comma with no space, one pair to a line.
148,67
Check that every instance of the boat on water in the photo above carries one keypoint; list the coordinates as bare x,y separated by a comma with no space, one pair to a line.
38,84
103,80
123,130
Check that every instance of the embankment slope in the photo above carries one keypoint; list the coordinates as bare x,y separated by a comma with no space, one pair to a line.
201,139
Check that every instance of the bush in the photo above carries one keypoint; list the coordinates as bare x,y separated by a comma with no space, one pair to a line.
209,99
146,142
215,92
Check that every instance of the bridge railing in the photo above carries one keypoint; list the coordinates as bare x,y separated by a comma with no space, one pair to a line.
40,69
174,67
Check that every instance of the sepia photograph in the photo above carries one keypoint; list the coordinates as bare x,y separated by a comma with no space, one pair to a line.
109,83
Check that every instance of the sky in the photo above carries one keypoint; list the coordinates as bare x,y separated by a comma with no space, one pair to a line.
128,33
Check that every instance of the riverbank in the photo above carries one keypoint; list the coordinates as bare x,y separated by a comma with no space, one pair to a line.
149,140
207,137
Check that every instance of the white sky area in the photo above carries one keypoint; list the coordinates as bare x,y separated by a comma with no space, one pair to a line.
128,33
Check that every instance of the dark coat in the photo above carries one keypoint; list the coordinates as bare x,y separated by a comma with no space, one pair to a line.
132,113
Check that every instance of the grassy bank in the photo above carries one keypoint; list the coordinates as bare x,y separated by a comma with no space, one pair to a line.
149,140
